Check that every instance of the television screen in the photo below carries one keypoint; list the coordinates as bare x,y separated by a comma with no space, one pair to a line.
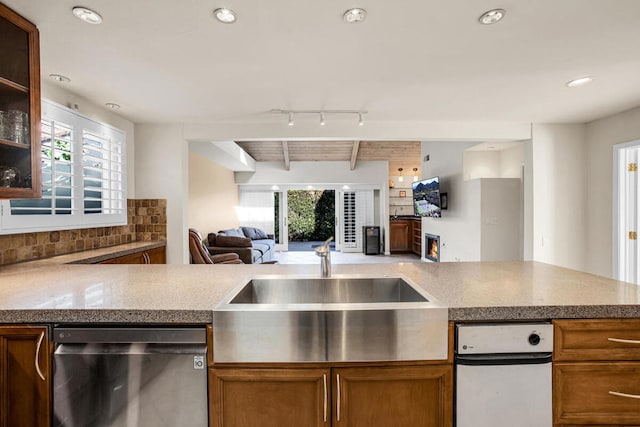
426,197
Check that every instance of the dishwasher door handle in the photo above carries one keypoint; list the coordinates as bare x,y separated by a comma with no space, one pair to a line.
503,359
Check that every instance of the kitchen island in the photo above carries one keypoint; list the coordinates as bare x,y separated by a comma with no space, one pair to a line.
186,294
35,296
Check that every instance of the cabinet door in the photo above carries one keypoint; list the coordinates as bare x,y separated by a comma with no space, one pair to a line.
269,397
411,396
157,256
596,393
134,258
399,236
598,339
24,377
20,168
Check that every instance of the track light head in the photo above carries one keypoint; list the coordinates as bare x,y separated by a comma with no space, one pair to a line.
322,122
291,123
360,120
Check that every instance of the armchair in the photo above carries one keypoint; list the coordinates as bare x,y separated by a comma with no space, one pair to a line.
200,254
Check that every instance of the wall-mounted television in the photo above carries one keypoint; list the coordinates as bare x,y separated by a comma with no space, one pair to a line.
426,198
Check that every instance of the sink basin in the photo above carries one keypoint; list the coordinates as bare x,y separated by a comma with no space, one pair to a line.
341,318
355,290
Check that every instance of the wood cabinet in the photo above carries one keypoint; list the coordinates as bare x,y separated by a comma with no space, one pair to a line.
149,256
399,235
416,233
20,168
399,396
25,379
269,397
405,235
596,372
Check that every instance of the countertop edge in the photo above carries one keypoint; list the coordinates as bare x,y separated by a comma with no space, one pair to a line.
118,252
458,314
139,316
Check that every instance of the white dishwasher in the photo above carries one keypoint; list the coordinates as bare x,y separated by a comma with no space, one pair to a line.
503,374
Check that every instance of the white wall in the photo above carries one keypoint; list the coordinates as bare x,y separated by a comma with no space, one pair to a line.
481,164
161,173
559,194
213,196
98,113
505,163
459,227
601,136
511,162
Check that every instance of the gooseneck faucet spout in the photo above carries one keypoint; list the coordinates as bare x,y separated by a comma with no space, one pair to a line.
324,252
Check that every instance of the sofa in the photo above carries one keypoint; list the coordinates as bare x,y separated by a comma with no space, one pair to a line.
252,244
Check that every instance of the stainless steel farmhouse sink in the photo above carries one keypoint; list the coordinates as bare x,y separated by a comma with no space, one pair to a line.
341,318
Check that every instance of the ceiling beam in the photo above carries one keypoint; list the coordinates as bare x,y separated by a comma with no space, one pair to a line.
285,151
354,154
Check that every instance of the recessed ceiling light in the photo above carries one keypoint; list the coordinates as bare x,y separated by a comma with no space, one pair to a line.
492,16
60,78
355,15
87,15
226,16
579,81
112,105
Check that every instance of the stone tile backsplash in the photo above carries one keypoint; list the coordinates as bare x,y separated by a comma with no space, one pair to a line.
146,221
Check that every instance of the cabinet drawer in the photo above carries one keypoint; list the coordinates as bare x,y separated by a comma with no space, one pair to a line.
582,393
608,339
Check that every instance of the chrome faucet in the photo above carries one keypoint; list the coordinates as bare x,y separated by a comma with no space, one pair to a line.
324,252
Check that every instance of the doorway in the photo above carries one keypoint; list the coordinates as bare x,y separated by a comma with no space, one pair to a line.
311,218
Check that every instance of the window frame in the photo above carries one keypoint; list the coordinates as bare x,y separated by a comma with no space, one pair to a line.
52,112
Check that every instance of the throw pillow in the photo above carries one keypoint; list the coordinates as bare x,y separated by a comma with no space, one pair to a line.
254,233
261,234
233,241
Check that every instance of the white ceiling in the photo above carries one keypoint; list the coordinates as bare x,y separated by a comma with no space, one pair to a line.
171,61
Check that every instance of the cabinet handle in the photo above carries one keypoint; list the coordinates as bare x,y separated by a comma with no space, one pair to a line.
146,258
624,341
632,396
338,398
37,362
324,380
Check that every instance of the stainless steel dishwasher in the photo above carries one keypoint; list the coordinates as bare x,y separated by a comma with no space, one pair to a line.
503,375
130,377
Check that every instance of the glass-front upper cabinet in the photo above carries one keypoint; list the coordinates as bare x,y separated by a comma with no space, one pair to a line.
20,169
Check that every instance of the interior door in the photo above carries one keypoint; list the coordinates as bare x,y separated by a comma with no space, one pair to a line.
626,233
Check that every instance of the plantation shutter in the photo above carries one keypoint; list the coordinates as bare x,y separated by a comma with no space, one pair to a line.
357,211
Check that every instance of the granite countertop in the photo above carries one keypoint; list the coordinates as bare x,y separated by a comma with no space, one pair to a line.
91,256
186,294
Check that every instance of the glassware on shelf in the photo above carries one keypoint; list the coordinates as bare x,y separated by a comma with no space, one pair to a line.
4,125
9,177
14,126
19,126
